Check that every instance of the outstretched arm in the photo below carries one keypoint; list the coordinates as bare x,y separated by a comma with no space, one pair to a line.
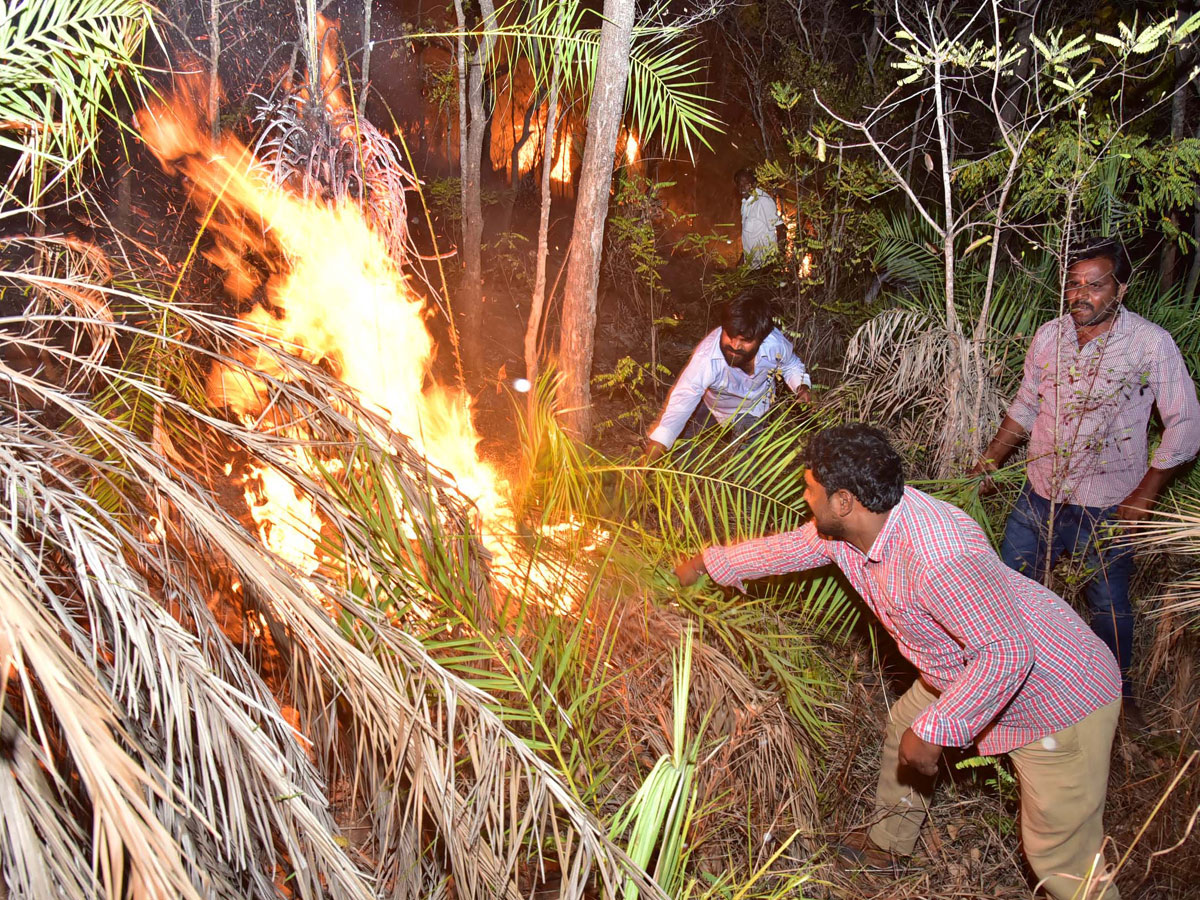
732,566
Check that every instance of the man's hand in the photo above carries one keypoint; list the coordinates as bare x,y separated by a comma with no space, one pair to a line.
1135,508
985,467
1008,436
1140,503
804,394
689,571
654,452
918,753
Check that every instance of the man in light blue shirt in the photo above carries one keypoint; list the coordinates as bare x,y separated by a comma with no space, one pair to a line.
730,378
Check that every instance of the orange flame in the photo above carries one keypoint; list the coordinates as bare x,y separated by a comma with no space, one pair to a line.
561,171
340,298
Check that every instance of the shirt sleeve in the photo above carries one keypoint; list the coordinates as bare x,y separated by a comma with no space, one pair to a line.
791,551
693,381
1175,396
973,601
1024,408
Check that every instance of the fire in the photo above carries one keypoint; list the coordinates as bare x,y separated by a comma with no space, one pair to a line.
561,171
340,298
631,149
806,265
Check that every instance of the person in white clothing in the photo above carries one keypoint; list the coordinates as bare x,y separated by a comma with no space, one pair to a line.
730,378
763,229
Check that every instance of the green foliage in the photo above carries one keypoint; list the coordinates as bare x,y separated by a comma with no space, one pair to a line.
61,64
444,197
632,258
659,813
507,259
707,491
546,674
636,384
664,92
440,85
1000,780
1123,181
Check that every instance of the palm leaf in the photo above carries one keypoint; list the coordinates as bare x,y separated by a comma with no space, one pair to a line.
57,62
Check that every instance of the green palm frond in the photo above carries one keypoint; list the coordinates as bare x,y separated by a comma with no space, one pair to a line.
60,63
906,252
664,90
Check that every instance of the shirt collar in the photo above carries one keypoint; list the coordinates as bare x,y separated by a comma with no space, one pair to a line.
889,532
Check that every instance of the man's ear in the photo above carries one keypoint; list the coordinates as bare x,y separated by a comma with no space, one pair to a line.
842,502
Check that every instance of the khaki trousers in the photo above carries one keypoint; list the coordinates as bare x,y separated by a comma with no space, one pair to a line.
1063,780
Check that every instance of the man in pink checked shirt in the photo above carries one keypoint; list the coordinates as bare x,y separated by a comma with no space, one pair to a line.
1091,379
1004,663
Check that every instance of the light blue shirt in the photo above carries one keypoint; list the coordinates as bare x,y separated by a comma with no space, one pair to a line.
728,391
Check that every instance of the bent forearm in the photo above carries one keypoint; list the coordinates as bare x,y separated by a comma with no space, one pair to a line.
1008,437
1141,501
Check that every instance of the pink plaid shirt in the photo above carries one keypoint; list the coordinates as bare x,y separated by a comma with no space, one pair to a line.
1086,409
1011,661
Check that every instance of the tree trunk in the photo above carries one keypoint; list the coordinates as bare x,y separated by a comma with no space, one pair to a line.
366,63
591,208
472,120
534,326
214,58
1169,260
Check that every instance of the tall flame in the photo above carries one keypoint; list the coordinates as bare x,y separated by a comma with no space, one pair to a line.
340,298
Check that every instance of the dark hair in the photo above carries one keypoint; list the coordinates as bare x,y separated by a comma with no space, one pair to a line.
744,173
857,458
748,315
1104,248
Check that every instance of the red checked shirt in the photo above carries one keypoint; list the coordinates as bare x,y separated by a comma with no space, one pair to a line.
1086,409
1011,661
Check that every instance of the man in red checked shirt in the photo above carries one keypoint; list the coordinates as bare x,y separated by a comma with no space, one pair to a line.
1004,663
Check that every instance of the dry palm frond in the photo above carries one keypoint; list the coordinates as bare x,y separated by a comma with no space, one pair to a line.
174,712
325,150
907,365
69,270
1178,532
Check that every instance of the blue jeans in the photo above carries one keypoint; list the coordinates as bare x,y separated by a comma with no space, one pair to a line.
1033,544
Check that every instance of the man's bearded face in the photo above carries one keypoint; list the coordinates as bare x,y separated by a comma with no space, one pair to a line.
738,351
829,526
